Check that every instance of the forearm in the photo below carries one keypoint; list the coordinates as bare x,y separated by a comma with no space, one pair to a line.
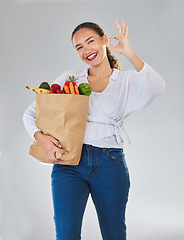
135,60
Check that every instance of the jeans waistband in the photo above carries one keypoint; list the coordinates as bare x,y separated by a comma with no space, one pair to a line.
88,147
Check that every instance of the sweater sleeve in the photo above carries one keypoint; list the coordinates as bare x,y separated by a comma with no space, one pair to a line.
142,88
29,120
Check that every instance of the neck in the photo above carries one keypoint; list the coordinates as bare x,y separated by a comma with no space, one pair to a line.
102,70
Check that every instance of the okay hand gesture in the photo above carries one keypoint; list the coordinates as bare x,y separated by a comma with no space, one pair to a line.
123,46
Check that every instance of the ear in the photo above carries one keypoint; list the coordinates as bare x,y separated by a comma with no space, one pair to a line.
105,39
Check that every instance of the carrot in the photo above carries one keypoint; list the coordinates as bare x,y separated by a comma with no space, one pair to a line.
66,89
76,90
72,91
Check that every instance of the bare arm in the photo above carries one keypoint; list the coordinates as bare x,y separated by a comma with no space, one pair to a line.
135,61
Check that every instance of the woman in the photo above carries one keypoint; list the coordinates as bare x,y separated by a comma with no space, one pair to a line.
102,170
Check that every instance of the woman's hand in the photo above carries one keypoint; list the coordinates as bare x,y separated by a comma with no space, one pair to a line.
50,146
123,46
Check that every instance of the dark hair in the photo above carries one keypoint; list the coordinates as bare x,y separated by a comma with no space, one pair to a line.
95,27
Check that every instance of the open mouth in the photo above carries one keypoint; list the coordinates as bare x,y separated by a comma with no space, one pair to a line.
91,57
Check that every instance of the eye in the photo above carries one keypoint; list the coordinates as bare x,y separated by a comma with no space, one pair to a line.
90,41
79,48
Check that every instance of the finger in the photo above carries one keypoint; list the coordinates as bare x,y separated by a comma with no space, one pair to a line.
55,160
124,27
52,160
118,26
112,46
113,37
126,31
58,157
62,151
110,43
58,161
56,142
123,23
58,154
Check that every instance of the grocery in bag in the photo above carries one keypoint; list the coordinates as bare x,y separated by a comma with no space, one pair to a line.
64,117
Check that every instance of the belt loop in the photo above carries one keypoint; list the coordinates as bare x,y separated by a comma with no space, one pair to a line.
88,146
104,150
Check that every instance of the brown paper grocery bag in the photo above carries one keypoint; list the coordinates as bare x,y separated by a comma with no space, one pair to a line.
64,117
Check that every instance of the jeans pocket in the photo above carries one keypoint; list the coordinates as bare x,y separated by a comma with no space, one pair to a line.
115,154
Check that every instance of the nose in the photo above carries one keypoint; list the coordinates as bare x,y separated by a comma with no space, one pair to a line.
86,49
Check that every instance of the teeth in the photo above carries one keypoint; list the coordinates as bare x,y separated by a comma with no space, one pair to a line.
92,56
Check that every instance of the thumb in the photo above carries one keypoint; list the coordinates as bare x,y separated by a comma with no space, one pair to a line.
111,46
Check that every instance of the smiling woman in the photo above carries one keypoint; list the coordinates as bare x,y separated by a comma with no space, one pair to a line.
97,35
91,48
102,170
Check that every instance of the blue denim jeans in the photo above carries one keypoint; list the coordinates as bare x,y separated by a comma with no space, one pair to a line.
103,173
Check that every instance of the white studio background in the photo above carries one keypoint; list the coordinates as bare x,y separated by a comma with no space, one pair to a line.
35,47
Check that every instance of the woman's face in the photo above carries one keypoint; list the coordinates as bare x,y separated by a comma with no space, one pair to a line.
90,47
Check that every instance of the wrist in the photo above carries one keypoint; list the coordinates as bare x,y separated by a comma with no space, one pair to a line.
130,55
135,60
